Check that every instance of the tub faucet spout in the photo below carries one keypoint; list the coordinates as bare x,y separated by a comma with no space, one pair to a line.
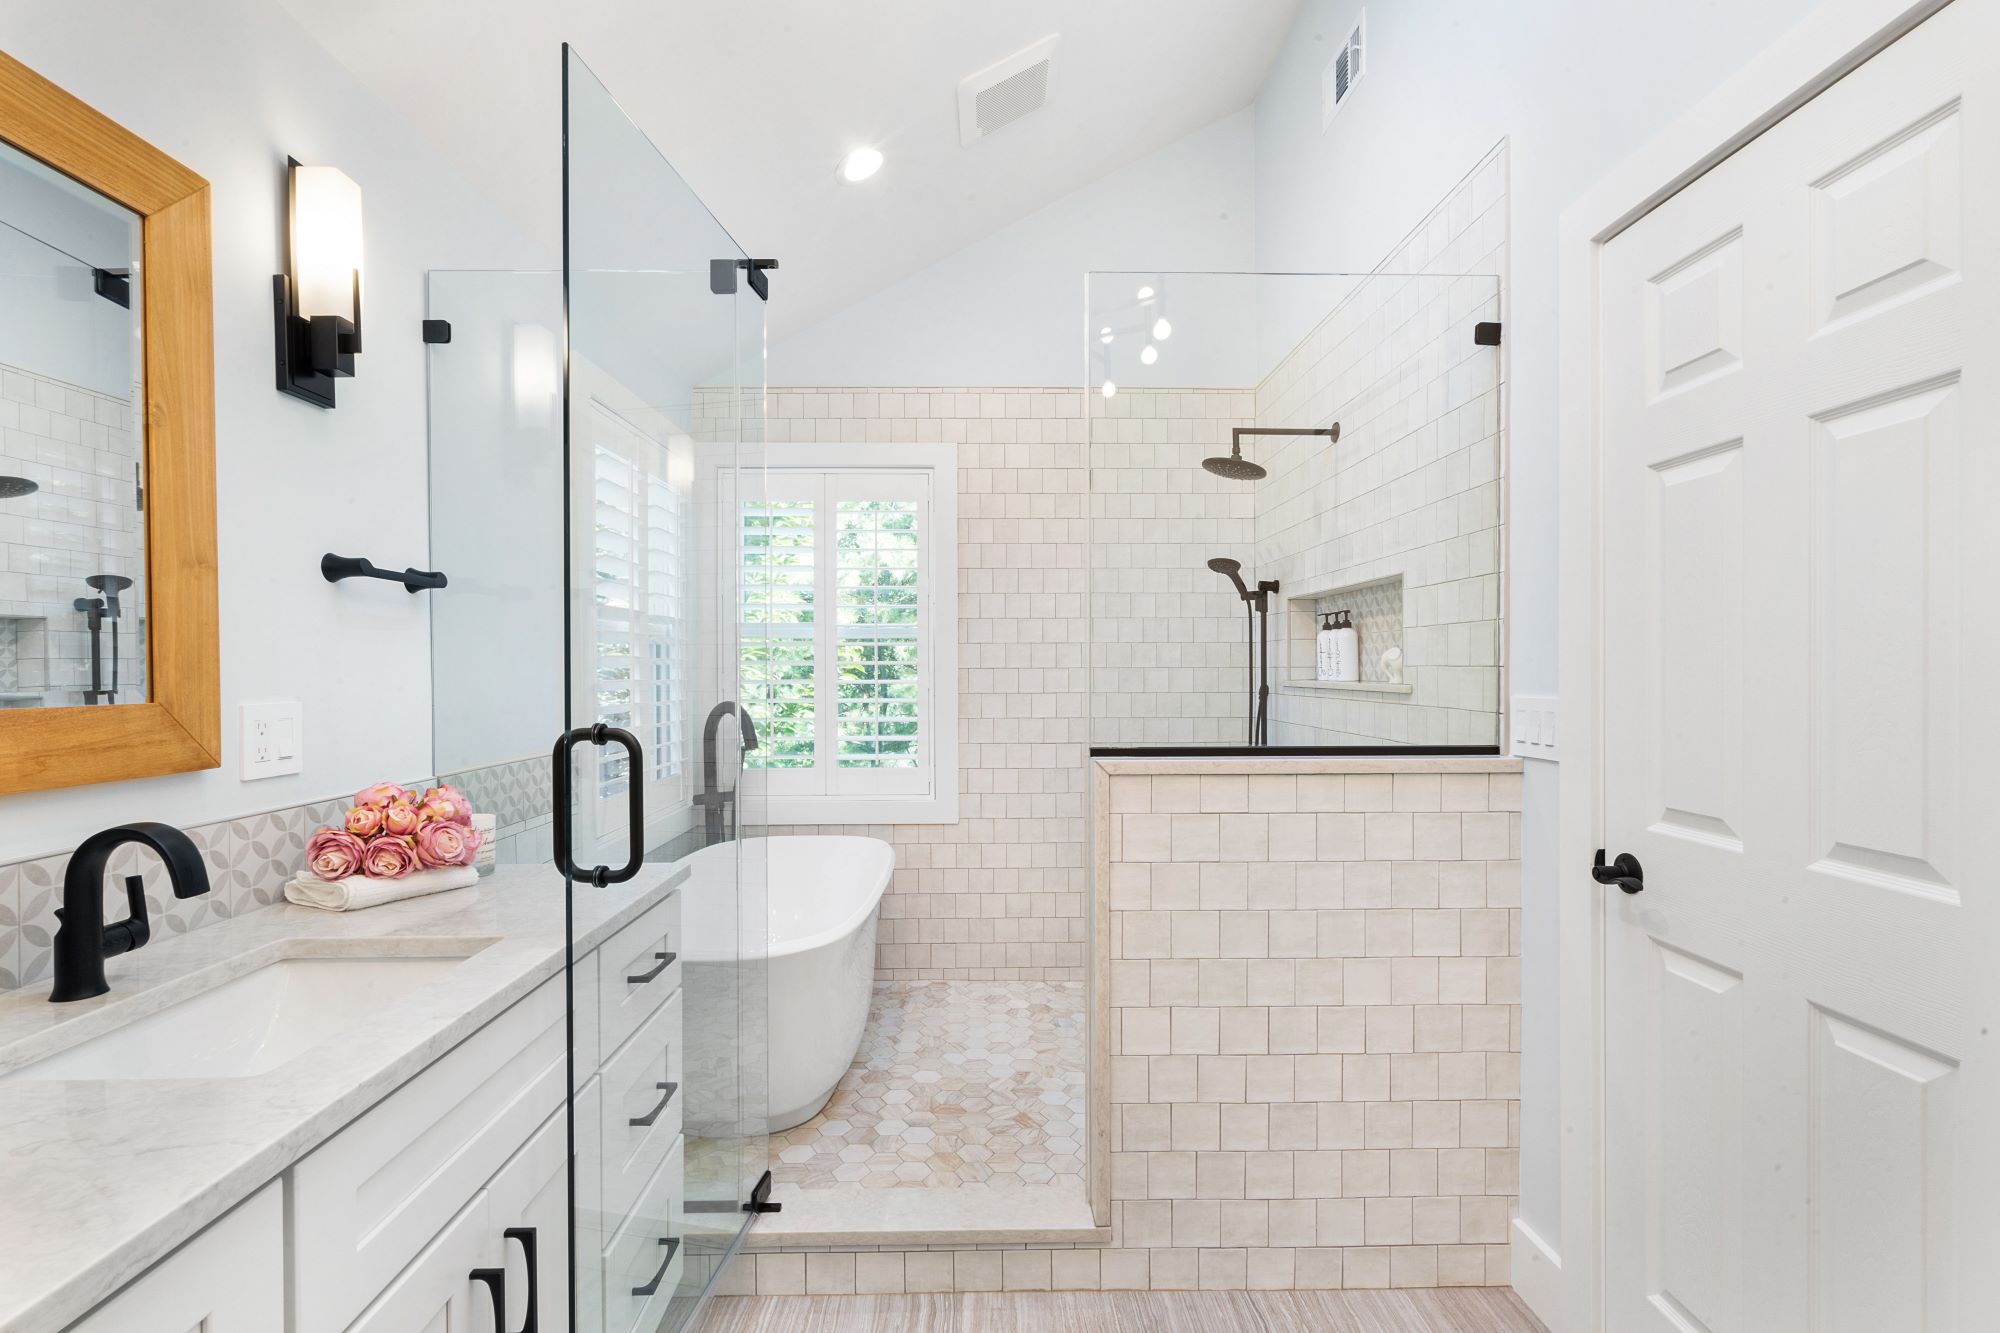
716,804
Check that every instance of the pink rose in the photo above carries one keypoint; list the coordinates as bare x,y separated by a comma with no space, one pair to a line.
388,858
446,845
364,821
382,793
334,854
400,819
453,797
436,811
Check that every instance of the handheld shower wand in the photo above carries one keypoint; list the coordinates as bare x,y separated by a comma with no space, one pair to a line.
1257,607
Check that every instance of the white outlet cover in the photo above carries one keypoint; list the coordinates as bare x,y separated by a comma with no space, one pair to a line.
273,739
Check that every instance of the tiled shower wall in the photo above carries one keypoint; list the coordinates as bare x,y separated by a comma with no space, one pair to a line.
999,895
1414,487
79,447
248,861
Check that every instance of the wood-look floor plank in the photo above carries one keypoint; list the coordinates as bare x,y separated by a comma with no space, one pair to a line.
1440,1310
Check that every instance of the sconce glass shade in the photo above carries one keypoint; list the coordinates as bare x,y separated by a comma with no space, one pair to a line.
326,242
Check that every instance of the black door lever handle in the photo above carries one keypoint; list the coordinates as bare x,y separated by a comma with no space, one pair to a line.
1625,872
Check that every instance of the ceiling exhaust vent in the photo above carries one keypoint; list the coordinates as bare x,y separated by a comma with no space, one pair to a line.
1005,91
1336,82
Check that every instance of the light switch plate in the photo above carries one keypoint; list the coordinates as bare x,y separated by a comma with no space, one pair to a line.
1532,724
273,739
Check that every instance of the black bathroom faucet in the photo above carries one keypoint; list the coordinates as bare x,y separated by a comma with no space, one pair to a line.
715,802
83,941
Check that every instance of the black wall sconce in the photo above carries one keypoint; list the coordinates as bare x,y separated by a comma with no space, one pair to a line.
317,299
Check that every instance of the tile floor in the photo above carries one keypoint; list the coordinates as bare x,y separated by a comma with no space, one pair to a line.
956,1083
1468,1310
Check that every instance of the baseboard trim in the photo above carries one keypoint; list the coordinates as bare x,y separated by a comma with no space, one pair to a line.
1537,1271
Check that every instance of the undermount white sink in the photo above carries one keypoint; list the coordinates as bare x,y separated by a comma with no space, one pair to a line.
248,1025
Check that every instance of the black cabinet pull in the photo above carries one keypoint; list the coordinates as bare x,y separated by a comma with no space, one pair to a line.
672,1243
526,1235
664,958
496,1287
1625,872
635,805
645,1121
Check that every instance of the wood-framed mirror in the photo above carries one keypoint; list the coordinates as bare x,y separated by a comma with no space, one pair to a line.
108,659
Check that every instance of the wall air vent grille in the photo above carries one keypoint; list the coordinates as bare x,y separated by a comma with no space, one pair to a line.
1337,82
1004,92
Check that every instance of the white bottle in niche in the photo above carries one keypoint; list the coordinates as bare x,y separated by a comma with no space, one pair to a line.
1323,664
1346,649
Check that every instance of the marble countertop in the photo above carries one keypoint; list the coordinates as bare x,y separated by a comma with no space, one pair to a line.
100,1180
1415,762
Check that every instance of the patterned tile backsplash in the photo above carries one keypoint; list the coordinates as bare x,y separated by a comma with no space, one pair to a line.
248,859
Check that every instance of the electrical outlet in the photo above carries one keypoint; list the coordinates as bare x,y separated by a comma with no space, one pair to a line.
273,739
1533,724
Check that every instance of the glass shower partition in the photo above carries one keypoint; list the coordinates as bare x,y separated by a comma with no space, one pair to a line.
657,818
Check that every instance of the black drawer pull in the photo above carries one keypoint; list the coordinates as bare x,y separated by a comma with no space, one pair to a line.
645,1121
496,1287
665,959
526,1235
672,1243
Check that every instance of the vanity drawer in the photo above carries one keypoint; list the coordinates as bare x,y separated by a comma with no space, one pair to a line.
641,1119
637,969
639,1274
366,1201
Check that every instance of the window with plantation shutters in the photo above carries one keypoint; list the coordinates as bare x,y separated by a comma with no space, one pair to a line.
842,614
639,553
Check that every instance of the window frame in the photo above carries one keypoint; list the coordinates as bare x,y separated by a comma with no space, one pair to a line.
935,467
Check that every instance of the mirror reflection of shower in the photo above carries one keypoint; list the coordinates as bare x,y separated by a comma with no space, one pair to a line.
1238,468
97,610
1257,645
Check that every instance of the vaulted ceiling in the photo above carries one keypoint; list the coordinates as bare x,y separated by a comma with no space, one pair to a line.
755,102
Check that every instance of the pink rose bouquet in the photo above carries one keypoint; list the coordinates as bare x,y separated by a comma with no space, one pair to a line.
391,832
334,854
447,844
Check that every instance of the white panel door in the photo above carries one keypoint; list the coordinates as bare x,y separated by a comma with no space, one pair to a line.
1801,417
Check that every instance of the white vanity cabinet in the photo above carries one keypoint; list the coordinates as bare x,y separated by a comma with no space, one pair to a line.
229,1279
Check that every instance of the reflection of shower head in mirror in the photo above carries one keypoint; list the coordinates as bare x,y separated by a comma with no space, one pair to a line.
110,585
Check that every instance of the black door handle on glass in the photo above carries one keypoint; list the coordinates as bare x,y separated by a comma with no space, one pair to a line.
496,1287
1625,872
665,959
526,1235
635,804
646,1121
666,1261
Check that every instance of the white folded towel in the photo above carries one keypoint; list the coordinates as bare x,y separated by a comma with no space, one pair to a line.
359,891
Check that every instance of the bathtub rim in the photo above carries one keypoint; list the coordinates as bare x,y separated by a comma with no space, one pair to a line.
853,921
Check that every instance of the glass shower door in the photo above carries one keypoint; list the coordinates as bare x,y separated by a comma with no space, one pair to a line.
656,816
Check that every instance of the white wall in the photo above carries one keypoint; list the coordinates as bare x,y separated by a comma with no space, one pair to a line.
242,87
1575,85
1006,309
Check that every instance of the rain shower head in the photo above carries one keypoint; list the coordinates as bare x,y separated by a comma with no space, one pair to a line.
1238,468
12,488
1222,564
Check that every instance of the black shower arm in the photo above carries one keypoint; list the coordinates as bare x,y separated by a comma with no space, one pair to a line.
334,568
1237,433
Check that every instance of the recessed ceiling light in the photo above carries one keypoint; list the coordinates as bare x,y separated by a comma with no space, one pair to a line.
1162,330
1145,293
1148,354
860,164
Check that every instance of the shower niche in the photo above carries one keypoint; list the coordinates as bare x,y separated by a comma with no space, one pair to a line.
1375,609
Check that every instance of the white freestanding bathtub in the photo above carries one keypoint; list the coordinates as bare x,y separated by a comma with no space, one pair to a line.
821,896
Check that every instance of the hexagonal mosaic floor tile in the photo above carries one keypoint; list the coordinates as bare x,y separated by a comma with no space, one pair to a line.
956,1083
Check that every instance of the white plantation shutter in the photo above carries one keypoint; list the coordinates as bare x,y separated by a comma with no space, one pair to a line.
639,644
837,597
